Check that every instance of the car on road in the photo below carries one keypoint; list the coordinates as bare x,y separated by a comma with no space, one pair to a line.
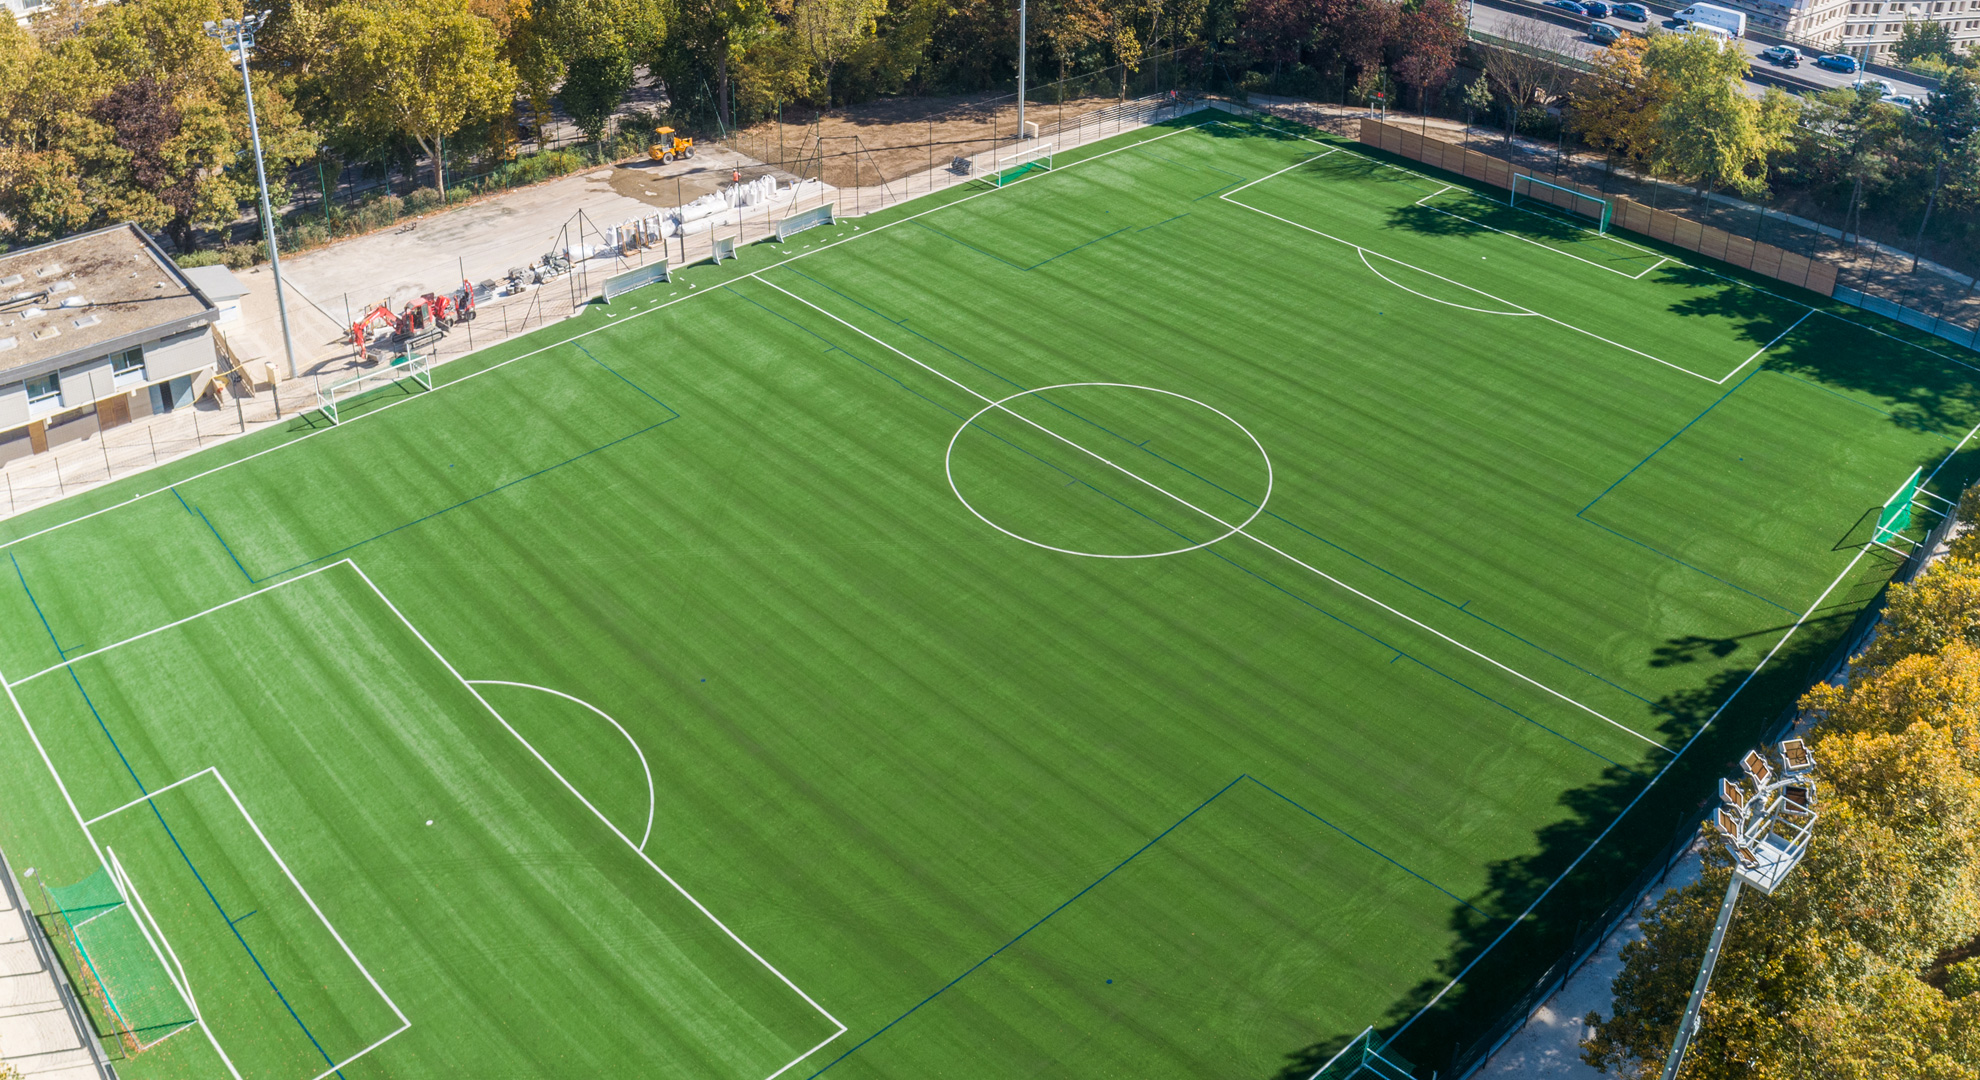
1784,55
1635,12
1568,6
1603,34
1878,86
1842,62
1596,9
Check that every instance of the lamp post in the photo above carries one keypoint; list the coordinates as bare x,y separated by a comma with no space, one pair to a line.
237,36
1767,831
1021,36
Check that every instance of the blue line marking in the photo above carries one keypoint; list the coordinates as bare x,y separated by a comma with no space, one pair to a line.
181,498
1674,437
153,805
1378,567
672,415
1187,539
1138,852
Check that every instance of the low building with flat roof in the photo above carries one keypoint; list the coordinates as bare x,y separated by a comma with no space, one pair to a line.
96,330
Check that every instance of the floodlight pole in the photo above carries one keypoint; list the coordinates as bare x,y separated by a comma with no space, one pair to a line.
1688,1026
242,31
1021,36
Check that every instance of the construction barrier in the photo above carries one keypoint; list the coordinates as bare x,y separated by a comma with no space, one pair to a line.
620,284
1747,254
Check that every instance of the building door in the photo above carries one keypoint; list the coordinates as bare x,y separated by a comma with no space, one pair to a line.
175,394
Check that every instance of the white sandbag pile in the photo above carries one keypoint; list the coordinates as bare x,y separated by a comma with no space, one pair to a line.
760,197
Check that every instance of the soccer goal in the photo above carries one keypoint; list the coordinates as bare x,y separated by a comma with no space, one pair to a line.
119,967
1030,159
339,395
1532,189
1895,517
1363,1059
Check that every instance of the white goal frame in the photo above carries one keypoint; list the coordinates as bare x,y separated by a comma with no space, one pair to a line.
412,366
1020,162
1602,219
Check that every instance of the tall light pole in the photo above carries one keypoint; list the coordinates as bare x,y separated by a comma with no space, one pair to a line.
237,36
1021,36
1767,831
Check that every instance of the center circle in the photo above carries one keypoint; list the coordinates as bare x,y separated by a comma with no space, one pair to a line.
1197,489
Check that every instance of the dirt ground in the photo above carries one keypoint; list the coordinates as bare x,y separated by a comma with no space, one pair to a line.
895,137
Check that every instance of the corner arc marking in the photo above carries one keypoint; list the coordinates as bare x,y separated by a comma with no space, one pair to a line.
651,799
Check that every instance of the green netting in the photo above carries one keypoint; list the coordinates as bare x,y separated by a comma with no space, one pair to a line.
125,978
1363,1059
1896,516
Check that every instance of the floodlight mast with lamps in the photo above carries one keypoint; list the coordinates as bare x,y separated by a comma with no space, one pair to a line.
1767,833
237,36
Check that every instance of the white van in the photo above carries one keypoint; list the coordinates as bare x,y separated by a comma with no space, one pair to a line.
1707,29
1724,18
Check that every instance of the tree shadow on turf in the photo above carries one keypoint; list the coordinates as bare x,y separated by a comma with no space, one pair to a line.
1509,958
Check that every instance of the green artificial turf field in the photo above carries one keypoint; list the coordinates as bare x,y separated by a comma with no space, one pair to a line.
1157,618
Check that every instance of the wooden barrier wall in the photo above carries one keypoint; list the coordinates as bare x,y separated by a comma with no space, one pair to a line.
1747,254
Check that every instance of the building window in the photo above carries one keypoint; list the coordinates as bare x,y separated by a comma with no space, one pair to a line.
44,392
127,367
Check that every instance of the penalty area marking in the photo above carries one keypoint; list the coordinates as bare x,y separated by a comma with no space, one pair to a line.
644,767
62,787
1235,530
948,467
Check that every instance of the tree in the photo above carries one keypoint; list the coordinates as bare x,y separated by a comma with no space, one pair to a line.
1277,30
1945,129
831,30
1524,67
415,68
1709,133
1848,136
1924,39
1616,107
1430,36
1860,966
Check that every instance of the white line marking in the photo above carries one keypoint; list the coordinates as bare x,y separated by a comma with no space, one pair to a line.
255,826
1433,299
607,822
1497,299
1716,713
127,888
1638,276
1234,529
148,796
651,798
168,626
790,256
1434,194
1769,345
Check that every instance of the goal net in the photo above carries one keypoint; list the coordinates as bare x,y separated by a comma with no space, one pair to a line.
340,395
119,969
1031,159
1527,190
1363,1059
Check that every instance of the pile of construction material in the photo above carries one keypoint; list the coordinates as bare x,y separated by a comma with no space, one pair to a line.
761,197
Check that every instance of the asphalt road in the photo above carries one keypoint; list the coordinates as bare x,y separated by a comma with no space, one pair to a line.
1498,17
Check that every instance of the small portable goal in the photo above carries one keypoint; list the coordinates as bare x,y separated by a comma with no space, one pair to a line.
1014,167
339,395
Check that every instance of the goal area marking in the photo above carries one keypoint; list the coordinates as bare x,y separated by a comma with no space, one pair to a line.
839,1027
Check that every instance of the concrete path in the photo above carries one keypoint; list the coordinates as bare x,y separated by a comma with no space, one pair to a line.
41,1034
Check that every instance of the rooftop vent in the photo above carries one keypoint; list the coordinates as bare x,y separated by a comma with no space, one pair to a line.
11,280
76,302
8,343
33,313
61,287
87,320
48,271
47,334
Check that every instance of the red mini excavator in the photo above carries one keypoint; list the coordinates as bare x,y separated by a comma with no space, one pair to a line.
431,313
